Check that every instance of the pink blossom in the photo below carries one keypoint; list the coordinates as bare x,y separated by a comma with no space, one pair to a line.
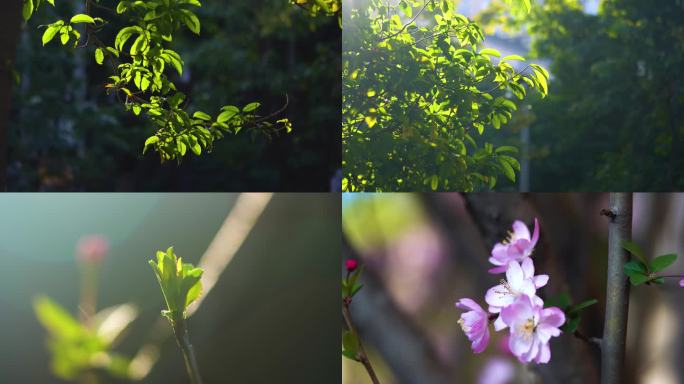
520,280
532,326
475,324
497,370
516,247
92,248
681,283
351,265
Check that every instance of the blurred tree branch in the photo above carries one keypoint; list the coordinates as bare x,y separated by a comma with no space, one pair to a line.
402,345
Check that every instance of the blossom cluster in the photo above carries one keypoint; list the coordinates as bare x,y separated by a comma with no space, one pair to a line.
514,303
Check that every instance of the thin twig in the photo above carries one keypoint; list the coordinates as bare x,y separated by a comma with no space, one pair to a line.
180,330
361,355
593,341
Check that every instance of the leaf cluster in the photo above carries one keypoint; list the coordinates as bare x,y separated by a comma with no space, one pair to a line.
180,283
640,271
140,57
417,98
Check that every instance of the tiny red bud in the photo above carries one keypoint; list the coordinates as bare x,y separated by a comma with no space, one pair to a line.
351,265
92,248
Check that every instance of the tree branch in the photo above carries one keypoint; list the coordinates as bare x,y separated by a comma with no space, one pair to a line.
361,355
617,289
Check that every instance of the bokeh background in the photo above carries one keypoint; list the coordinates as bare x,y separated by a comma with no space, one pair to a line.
269,318
422,252
64,133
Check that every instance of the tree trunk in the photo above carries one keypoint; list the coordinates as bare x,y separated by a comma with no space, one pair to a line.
10,25
617,290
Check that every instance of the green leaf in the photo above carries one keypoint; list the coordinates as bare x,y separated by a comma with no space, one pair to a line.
81,18
507,170
251,107
201,115
512,57
150,141
57,320
123,36
635,267
50,33
434,182
405,8
638,279
571,324
661,262
64,37
99,56
634,249
52,2
225,116
191,21
582,305
350,342
506,148
27,9
490,52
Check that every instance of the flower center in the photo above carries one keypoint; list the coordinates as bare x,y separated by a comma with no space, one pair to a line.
510,289
528,328
464,327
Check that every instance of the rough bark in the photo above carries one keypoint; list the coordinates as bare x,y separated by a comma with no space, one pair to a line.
617,290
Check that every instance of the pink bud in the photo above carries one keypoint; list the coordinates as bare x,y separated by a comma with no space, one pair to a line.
351,265
92,248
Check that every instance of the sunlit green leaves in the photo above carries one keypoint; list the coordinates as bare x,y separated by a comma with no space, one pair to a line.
81,18
51,31
180,282
418,99
99,56
140,55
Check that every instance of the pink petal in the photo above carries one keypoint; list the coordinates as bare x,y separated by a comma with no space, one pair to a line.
480,344
526,287
514,274
544,354
496,270
466,303
499,324
498,296
521,310
520,230
532,353
552,316
519,345
540,280
535,235
545,332
528,267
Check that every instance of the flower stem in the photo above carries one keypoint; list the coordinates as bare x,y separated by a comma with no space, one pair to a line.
617,290
361,354
180,330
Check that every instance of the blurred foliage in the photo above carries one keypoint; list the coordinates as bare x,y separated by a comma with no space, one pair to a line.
76,348
614,119
418,96
325,7
80,139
